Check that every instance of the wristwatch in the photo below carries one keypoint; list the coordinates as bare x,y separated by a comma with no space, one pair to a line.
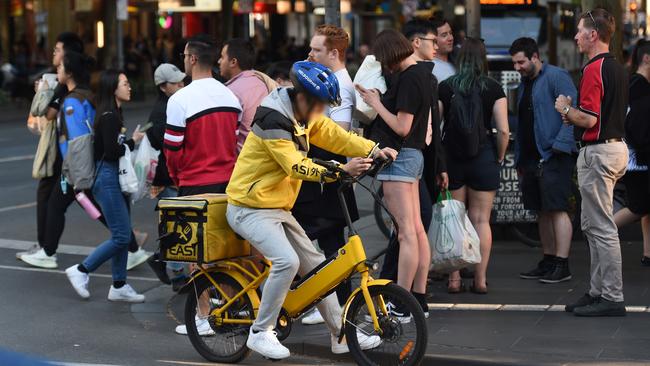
566,110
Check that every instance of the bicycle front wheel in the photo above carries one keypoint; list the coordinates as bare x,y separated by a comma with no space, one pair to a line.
215,341
403,336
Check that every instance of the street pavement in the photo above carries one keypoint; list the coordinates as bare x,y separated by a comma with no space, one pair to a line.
518,323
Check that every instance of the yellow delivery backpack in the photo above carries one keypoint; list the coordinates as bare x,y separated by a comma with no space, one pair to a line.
194,229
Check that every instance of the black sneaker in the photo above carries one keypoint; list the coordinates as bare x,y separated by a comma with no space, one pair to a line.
178,284
603,307
645,261
543,267
159,268
585,300
422,300
559,273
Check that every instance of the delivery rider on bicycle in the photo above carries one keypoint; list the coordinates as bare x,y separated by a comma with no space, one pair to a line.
265,185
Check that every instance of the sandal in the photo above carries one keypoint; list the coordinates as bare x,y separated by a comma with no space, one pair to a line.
455,289
478,290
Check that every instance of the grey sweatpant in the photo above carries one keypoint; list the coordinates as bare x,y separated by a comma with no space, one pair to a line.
279,237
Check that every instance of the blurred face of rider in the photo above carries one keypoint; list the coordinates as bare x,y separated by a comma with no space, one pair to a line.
307,109
524,65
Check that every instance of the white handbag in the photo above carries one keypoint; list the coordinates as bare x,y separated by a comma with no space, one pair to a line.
127,176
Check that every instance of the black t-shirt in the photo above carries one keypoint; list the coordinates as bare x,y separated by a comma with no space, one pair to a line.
603,94
108,133
637,124
526,127
489,95
411,92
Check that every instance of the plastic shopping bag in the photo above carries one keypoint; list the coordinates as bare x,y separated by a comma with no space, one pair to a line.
453,239
128,178
144,163
368,76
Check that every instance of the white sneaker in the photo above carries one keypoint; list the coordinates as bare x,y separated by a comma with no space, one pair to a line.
202,325
40,259
137,258
313,318
267,344
366,342
31,250
125,293
79,281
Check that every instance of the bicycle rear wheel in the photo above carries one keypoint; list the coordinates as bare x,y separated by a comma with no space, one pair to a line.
403,340
226,343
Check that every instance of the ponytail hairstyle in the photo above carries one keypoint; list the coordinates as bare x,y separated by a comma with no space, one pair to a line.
78,66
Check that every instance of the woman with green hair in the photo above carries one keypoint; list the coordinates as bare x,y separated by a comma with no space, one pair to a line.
469,102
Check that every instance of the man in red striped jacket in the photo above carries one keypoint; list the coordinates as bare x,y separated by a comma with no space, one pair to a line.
201,132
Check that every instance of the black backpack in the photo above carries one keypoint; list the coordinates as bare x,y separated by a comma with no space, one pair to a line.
464,130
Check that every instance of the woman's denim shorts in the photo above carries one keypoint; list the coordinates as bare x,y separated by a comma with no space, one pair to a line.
407,168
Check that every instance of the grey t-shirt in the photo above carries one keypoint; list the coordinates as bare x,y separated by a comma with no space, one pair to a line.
443,70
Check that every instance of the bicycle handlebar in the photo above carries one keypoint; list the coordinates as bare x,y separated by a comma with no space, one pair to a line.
334,166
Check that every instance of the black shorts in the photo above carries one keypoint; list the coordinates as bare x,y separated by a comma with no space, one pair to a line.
481,173
551,187
637,192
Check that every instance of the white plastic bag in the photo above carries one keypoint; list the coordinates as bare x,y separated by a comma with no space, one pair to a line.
453,239
128,179
368,76
145,163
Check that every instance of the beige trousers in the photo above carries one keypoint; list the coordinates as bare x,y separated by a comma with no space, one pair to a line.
599,167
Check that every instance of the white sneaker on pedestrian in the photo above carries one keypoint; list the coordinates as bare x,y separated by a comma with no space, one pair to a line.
137,258
202,326
313,318
31,250
366,342
125,293
266,343
79,281
40,259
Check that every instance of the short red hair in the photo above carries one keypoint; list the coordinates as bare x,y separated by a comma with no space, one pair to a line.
335,38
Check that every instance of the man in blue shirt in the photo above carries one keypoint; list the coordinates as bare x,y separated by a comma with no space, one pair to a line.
544,153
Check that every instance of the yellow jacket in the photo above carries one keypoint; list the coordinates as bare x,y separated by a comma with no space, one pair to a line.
273,162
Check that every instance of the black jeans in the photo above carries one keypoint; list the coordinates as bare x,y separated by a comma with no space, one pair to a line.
54,223
391,259
330,242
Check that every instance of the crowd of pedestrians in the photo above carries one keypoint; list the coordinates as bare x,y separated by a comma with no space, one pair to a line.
253,135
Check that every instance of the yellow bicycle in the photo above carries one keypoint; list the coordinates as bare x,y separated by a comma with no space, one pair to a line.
226,296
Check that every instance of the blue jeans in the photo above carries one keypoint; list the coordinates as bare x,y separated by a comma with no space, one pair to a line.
108,195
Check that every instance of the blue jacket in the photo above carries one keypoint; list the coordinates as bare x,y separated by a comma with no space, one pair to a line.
76,118
550,133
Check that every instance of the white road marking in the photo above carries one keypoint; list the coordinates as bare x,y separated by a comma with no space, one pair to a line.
17,207
16,158
518,307
101,275
63,248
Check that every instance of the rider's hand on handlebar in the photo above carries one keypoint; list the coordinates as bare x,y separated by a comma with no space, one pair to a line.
386,154
356,166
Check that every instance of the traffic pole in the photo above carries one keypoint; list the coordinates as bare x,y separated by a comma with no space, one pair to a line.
473,18
333,12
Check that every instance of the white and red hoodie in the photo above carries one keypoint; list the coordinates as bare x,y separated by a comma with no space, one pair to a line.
201,134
